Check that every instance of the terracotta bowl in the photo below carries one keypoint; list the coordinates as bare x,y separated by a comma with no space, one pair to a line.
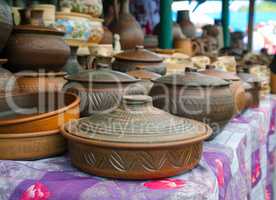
31,146
41,82
36,112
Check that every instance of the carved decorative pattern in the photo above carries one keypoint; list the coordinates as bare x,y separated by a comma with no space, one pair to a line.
127,162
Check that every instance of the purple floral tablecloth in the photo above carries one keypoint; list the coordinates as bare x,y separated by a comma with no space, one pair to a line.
238,164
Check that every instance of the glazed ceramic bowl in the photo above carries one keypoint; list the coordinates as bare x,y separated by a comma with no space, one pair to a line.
80,27
40,82
34,48
36,112
135,141
31,146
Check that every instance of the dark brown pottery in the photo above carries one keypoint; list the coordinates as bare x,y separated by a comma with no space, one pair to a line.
36,112
31,146
196,96
139,58
135,141
253,89
131,33
101,89
33,48
6,23
236,86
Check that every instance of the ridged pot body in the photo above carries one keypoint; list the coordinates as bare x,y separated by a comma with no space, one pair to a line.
134,163
97,97
33,51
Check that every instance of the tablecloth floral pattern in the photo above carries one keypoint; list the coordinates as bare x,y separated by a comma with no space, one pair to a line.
238,164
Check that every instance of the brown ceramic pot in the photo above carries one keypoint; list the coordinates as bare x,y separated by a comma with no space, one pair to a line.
151,144
36,112
130,31
195,96
33,48
236,86
253,89
6,24
31,146
139,58
41,82
101,90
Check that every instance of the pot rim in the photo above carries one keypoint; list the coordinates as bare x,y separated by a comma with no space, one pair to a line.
29,135
37,30
227,84
40,74
67,77
73,104
126,145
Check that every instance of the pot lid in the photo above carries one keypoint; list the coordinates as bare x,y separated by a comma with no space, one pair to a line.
101,75
229,76
144,74
250,78
191,79
137,121
139,54
37,29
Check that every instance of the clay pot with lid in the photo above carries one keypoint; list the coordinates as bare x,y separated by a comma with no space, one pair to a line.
124,24
196,96
101,89
33,48
252,88
236,86
151,144
139,58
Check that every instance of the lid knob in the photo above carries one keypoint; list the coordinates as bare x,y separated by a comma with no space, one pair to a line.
102,66
136,99
190,69
139,47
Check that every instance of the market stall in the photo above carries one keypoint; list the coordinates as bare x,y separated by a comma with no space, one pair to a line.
98,101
